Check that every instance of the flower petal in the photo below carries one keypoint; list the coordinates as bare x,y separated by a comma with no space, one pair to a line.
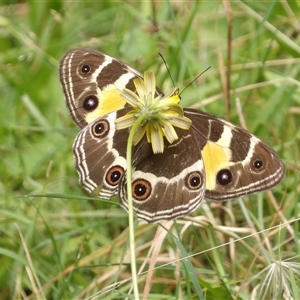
150,83
140,89
170,132
139,135
125,121
130,97
180,122
170,101
157,140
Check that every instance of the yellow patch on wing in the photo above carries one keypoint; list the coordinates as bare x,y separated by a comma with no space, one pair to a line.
215,158
110,101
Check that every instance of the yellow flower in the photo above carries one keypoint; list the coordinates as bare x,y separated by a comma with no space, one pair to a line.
161,113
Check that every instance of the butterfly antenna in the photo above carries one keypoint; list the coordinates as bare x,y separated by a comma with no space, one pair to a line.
194,80
167,68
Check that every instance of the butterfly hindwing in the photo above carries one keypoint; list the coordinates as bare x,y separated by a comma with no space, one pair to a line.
169,184
99,153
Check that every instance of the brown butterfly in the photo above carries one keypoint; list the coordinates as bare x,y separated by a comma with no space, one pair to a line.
214,159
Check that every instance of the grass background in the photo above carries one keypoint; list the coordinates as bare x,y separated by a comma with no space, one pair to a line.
56,242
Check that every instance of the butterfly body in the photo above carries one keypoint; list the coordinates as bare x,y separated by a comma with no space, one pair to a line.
213,159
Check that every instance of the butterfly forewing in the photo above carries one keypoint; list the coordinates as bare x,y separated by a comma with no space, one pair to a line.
236,162
92,82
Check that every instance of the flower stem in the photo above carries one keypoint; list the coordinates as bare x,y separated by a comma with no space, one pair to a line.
132,132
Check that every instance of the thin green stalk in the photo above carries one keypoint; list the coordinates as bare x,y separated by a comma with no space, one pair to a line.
133,130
